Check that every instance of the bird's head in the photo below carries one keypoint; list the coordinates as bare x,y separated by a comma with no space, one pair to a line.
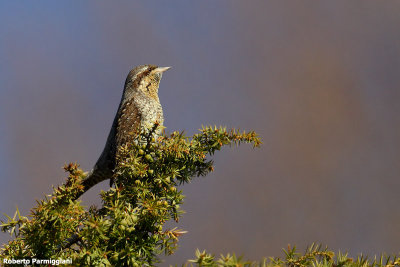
145,79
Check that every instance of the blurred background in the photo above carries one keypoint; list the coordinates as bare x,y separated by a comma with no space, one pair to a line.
319,81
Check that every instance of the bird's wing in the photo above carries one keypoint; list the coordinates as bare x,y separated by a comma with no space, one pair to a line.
128,124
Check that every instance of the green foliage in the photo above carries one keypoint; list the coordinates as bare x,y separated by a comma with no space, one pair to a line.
314,256
128,230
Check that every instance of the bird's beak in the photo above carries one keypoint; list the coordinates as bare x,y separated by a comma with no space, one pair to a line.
161,69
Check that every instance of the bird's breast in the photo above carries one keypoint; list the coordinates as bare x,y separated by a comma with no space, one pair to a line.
150,111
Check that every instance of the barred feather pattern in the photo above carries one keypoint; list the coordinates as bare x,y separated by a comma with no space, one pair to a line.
138,110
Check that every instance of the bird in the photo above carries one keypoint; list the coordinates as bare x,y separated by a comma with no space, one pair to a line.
139,109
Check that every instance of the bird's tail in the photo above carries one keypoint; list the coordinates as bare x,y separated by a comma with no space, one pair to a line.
94,177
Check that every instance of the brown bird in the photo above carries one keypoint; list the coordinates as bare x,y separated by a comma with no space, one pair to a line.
139,109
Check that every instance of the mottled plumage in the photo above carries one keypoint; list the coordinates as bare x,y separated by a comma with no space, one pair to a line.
139,109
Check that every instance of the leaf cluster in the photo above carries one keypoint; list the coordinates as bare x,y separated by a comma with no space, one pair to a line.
128,230
314,256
